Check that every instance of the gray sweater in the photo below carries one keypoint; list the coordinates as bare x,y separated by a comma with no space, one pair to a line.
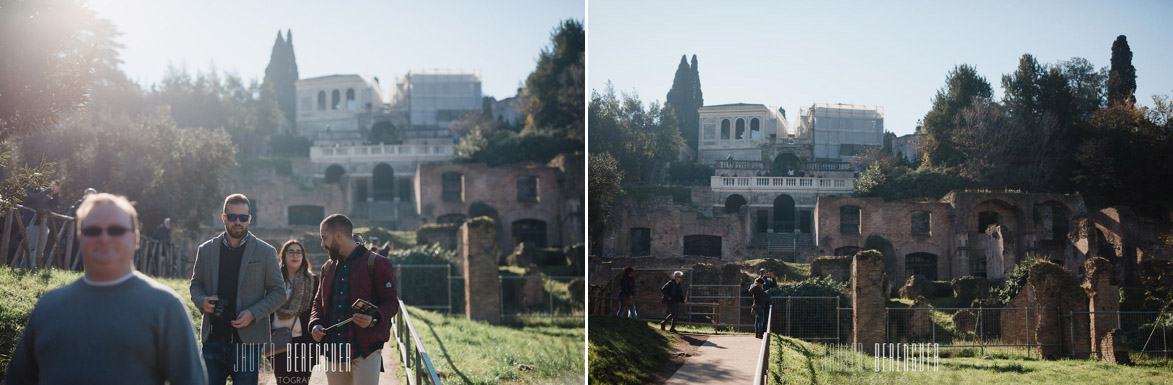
135,332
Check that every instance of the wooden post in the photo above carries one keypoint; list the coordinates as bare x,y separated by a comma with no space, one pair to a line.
8,214
70,235
42,258
25,238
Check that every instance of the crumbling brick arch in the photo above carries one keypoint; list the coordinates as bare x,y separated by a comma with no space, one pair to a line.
733,203
1011,217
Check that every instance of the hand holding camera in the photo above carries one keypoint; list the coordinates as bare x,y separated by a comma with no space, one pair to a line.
365,312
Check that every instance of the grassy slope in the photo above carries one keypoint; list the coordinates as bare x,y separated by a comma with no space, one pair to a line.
624,351
797,362
20,290
471,352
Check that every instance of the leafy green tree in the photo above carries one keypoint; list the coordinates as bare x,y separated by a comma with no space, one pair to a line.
963,86
605,180
642,140
1122,76
1022,88
1126,159
147,158
554,92
45,63
1087,85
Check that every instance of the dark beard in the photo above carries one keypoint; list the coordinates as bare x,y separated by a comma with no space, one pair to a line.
335,253
234,234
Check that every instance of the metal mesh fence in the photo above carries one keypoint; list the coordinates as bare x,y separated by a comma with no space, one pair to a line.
808,318
1145,331
542,296
423,286
965,327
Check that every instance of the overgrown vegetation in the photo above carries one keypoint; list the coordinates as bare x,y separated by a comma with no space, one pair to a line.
624,351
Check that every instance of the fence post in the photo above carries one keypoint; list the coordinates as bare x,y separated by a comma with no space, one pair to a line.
8,214
1027,326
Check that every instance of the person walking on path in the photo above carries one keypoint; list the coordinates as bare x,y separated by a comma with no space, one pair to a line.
352,273
112,326
627,294
759,306
39,201
673,297
301,285
236,283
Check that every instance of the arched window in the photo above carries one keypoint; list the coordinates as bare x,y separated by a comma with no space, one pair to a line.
740,129
334,173
921,263
383,182
849,220
529,230
733,203
321,100
452,186
755,129
724,129
335,100
350,99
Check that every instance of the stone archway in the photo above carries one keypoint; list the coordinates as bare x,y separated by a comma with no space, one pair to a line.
734,203
784,214
383,182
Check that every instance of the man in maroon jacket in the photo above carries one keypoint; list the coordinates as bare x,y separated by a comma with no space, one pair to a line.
352,273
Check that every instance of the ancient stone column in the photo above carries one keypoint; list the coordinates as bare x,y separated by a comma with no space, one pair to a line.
868,299
1103,297
482,286
1049,284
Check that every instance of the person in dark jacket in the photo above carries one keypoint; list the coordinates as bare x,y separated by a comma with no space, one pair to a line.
673,296
163,232
38,201
759,306
627,294
352,273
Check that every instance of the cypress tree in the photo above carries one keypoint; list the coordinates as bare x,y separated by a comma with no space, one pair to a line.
680,98
281,73
1122,77
698,99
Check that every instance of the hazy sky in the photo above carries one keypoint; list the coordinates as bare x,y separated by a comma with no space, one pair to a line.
371,38
895,54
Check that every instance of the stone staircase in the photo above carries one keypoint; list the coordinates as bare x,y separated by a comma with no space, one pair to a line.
786,246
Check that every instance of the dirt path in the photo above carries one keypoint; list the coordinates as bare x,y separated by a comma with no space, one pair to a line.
722,359
684,346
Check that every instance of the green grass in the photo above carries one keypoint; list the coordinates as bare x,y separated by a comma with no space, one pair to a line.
21,289
624,351
698,329
798,362
471,352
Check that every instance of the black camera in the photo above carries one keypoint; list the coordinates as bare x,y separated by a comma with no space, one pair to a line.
364,307
220,305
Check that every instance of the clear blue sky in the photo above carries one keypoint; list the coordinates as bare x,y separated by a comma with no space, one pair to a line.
895,54
371,38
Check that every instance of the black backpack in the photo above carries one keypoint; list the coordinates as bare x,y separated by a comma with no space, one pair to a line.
666,290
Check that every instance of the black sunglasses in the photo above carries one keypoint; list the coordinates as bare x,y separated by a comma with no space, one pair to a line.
234,217
95,231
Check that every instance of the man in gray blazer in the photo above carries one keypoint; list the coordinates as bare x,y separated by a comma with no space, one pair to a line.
238,268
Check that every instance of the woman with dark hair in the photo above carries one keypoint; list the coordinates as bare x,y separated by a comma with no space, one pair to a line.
627,294
301,285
